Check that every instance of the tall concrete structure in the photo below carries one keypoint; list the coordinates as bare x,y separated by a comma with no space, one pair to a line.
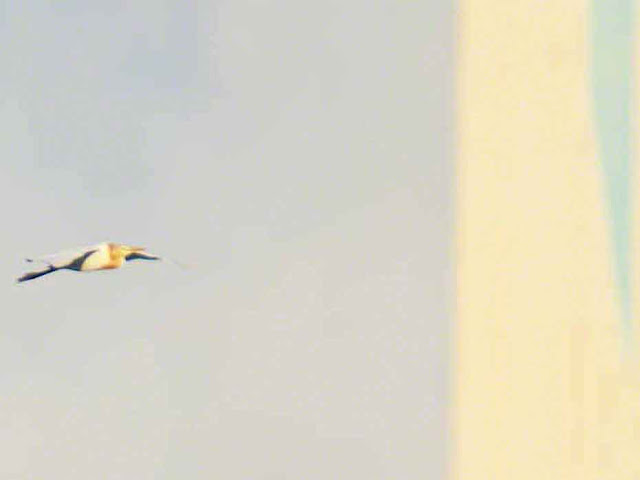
547,379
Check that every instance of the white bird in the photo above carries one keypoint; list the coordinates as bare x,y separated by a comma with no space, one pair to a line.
104,256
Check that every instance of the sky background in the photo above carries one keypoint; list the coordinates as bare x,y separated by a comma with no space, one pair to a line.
297,156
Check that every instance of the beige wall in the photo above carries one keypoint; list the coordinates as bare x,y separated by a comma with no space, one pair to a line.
545,388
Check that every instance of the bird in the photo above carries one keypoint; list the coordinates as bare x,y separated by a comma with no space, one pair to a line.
104,256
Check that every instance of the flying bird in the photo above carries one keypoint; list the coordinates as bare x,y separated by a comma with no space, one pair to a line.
105,256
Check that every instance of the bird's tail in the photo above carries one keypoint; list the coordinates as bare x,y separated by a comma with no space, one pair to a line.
36,274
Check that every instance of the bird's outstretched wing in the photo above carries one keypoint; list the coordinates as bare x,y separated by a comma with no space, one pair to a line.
36,274
72,261
141,256
65,258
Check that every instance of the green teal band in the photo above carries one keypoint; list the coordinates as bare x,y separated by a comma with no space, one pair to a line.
612,70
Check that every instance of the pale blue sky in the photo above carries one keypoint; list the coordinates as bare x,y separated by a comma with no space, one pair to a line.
298,155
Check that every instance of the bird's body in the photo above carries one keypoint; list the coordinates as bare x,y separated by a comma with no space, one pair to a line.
104,256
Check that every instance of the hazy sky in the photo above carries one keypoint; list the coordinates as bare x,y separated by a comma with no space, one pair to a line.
298,156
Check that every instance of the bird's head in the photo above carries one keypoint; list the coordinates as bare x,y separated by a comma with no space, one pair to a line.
136,253
128,249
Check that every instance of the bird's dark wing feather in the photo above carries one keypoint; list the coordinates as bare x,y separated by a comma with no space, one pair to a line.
32,275
76,264
140,256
